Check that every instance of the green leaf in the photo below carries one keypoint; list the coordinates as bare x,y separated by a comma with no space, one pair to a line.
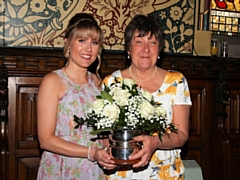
122,114
135,87
106,96
133,92
98,131
76,127
99,97
79,121
106,88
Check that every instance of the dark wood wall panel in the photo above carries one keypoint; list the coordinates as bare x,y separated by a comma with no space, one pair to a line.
24,151
27,168
232,125
235,161
214,137
27,114
198,146
233,109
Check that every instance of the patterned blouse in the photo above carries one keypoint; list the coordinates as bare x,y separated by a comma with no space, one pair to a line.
164,164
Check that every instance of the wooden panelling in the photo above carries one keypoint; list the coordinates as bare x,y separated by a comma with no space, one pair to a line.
233,111
24,151
27,168
232,125
198,146
214,137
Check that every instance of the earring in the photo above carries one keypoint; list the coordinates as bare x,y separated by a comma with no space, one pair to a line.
158,57
68,50
128,56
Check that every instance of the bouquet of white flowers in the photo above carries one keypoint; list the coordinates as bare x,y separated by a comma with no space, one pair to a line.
124,105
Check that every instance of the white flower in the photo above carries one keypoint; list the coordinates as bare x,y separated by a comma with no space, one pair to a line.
123,105
115,89
111,111
160,111
147,95
146,109
121,96
129,82
97,105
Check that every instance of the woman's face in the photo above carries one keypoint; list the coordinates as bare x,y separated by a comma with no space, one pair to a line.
144,51
83,51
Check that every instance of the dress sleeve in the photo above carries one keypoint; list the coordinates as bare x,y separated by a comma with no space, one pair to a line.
110,78
182,94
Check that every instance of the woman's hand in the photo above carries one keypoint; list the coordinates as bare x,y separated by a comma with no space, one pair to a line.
150,144
103,158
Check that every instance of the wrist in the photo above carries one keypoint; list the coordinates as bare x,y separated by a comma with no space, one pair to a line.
157,142
91,153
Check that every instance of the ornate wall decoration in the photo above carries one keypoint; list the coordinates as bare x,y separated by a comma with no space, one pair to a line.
40,23
35,22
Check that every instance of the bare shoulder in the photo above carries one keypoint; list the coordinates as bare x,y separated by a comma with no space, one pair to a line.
52,83
51,78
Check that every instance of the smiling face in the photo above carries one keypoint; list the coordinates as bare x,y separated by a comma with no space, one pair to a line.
84,51
144,51
83,41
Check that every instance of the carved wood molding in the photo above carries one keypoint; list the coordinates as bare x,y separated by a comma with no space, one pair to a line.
3,119
19,135
37,62
3,93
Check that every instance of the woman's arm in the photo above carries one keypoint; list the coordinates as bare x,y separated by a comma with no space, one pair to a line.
170,141
181,121
50,90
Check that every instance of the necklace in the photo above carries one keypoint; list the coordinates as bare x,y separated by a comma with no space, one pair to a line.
130,72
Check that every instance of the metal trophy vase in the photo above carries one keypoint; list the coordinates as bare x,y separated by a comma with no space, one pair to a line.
123,145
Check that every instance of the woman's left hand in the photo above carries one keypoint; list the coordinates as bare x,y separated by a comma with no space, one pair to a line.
104,159
150,143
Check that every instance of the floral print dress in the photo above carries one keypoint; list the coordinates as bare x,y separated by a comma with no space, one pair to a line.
75,102
164,164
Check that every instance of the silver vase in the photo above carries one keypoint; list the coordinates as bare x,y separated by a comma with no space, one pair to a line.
123,145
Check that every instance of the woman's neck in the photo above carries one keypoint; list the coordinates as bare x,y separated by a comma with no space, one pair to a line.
144,80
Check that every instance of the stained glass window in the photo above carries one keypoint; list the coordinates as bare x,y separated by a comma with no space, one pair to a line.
225,17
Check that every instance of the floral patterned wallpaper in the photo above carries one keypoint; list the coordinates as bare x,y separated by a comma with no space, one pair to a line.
40,23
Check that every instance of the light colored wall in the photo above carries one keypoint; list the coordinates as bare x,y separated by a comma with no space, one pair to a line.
40,23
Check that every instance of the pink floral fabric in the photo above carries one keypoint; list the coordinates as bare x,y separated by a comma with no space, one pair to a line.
76,101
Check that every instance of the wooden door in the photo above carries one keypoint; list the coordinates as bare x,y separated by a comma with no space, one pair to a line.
232,124
24,154
200,123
